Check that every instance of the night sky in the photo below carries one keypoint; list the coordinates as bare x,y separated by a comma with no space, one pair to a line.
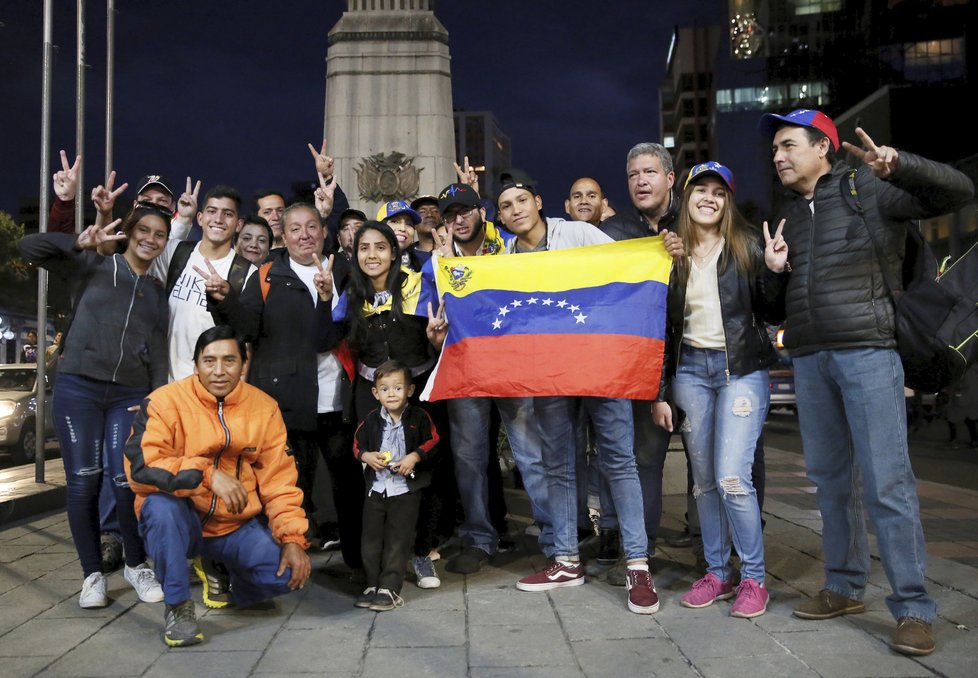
231,92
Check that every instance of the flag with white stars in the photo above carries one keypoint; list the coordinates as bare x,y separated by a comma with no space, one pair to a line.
580,321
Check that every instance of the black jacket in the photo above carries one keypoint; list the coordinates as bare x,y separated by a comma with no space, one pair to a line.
836,296
746,304
631,223
287,331
420,436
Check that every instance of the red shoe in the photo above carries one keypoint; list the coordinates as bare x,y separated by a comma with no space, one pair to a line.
642,598
555,576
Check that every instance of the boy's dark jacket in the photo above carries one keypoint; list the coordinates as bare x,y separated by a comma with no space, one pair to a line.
420,436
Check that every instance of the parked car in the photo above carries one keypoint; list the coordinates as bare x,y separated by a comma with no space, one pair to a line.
782,383
18,407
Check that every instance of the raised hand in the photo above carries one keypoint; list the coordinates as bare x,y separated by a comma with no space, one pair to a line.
467,174
447,248
775,248
324,163
99,237
323,280
882,160
324,195
66,180
673,243
437,328
215,285
104,196
187,204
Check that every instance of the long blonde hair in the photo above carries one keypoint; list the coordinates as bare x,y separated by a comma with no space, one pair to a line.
734,229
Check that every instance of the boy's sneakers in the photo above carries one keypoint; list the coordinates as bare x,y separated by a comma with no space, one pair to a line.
751,600
143,579
556,575
181,628
217,583
424,571
367,597
642,597
384,600
93,594
707,590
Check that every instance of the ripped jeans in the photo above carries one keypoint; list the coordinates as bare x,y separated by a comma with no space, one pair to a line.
724,417
91,418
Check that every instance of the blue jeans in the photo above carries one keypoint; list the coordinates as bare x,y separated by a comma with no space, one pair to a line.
724,418
614,438
469,426
852,416
171,527
92,419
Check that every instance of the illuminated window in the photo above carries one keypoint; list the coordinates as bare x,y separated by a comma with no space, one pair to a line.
803,7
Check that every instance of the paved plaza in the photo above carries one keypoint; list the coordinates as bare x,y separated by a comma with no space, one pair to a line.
481,625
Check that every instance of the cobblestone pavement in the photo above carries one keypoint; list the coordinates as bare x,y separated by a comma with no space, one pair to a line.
481,625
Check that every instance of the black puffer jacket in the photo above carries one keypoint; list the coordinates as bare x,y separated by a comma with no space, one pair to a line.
836,296
746,304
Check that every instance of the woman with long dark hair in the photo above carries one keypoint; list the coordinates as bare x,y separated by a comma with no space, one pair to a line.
720,296
114,354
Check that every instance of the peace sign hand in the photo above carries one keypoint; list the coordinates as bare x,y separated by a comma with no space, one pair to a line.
324,163
66,180
323,280
437,328
99,238
447,248
104,197
187,204
882,160
324,195
775,249
467,174
216,286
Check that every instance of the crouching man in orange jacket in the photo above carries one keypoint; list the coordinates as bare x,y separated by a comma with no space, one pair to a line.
207,454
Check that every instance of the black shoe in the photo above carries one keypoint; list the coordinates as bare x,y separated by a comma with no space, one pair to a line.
683,540
506,543
384,600
329,534
469,561
366,598
181,628
111,553
609,548
217,583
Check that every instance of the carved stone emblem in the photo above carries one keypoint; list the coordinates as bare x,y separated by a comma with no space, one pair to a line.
382,178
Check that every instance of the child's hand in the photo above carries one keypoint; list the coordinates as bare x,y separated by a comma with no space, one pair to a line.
406,465
374,460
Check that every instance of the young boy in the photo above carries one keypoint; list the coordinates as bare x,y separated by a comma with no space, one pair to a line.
391,442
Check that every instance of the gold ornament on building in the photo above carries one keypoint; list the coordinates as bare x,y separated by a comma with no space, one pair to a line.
382,178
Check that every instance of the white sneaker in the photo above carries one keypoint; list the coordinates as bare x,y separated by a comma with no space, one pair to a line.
93,592
143,579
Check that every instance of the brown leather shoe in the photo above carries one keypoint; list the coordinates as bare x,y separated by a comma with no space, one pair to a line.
913,636
827,604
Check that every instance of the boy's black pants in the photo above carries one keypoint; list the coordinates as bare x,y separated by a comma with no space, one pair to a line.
388,538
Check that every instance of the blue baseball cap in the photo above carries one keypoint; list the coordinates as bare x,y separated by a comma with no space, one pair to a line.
802,117
395,207
714,168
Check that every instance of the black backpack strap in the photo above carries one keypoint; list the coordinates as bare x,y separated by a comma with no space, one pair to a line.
178,262
851,195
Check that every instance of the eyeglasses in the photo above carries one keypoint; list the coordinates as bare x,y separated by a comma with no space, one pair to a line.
452,217
159,209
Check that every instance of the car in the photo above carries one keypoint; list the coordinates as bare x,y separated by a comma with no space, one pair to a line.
782,384
18,407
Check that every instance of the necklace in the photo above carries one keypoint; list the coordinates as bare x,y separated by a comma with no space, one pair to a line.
704,258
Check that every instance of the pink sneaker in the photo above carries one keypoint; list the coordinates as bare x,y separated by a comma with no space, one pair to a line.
751,600
554,576
706,590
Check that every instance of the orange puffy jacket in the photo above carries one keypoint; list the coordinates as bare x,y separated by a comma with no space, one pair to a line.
182,434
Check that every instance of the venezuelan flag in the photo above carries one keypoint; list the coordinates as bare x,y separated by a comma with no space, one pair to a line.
581,321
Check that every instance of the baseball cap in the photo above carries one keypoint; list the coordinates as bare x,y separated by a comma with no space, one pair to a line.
424,200
714,168
352,213
516,178
395,207
153,180
458,194
803,117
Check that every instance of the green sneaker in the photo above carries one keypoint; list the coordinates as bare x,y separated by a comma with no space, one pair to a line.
217,584
181,625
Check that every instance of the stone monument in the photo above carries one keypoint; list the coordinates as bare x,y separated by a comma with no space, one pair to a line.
389,102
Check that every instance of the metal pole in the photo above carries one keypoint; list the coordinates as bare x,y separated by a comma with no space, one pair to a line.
109,82
42,274
80,115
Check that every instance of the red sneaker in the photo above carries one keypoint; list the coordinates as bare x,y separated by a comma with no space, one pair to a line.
555,576
642,598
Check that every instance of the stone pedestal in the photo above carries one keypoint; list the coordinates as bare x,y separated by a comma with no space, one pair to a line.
389,102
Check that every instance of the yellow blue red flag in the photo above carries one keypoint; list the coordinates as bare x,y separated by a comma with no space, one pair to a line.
581,321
